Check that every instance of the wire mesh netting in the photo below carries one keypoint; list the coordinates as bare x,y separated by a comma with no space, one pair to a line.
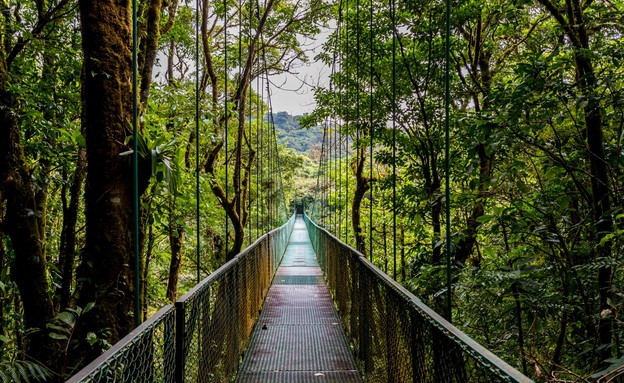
202,337
395,337
217,316
145,355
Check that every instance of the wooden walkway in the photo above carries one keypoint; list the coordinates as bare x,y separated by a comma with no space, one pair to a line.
298,337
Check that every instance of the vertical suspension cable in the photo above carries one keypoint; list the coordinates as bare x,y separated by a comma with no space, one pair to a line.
250,133
328,121
258,133
236,181
135,167
226,122
394,172
270,150
447,165
278,165
370,116
357,104
197,195
320,170
341,137
259,152
338,175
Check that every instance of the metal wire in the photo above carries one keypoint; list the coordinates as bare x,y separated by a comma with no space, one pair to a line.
370,111
217,316
447,166
226,122
395,337
394,168
135,167
145,355
197,195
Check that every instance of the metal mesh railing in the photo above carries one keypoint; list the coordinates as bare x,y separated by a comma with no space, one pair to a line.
145,355
216,317
202,337
396,337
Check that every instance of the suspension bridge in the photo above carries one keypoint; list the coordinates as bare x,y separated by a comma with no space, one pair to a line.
298,305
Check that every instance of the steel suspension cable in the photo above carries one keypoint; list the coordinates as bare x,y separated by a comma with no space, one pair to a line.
278,164
249,134
262,156
236,181
357,97
334,118
227,117
337,140
447,165
346,162
318,174
370,116
259,154
197,195
394,171
135,167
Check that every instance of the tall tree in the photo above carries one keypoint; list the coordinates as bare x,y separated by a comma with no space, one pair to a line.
21,198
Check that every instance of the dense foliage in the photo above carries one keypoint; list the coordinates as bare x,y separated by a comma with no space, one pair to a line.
535,168
537,120
210,167
290,133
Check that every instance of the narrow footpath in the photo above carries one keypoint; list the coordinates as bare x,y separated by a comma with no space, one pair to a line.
298,337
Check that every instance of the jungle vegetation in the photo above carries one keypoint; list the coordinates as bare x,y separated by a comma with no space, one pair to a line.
536,166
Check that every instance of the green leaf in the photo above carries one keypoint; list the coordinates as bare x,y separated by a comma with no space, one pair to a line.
57,328
88,307
56,336
67,318
484,218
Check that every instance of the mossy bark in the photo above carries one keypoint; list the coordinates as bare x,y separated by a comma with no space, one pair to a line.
107,268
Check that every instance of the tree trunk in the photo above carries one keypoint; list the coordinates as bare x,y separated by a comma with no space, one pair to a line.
68,233
22,225
575,28
467,243
600,193
362,186
149,48
107,265
176,240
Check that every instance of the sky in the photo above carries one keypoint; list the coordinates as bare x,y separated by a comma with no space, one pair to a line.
293,92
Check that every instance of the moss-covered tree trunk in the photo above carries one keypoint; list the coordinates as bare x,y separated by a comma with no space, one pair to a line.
106,267
22,224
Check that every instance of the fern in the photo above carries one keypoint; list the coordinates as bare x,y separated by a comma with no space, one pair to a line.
21,371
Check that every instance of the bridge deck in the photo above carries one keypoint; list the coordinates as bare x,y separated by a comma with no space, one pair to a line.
298,337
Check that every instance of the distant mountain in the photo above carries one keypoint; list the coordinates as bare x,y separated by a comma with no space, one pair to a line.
294,136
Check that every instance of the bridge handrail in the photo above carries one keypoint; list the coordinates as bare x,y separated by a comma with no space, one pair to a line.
165,348
119,363
215,318
421,367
